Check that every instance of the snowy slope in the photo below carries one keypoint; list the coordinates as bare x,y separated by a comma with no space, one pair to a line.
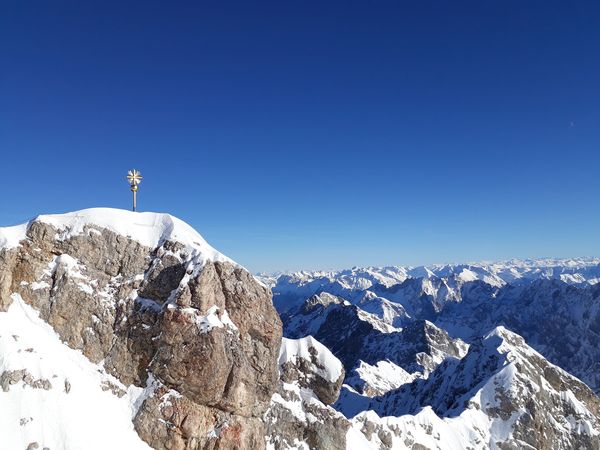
11,236
54,396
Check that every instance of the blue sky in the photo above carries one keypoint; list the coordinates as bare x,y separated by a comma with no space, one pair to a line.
304,134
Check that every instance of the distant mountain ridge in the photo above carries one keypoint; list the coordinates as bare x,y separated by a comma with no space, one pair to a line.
574,270
461,356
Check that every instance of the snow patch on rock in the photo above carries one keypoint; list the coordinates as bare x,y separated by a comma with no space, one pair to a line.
328,366
214,318
11,236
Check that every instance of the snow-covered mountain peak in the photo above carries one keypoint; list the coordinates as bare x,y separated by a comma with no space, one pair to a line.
147,228
146,300
503,333
497,396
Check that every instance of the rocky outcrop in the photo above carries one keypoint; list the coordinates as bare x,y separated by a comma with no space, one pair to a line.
299,414
311,365
169,420
168,314
10,377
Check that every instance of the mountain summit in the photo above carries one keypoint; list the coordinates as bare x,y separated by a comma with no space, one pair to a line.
127,330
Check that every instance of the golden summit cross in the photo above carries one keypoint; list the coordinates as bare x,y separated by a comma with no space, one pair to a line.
134,177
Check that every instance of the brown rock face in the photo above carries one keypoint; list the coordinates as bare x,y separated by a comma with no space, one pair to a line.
170,421
202,339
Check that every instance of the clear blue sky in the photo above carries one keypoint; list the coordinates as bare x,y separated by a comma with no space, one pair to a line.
300,134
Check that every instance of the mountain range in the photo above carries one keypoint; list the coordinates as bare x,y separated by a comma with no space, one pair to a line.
129,331
429,343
